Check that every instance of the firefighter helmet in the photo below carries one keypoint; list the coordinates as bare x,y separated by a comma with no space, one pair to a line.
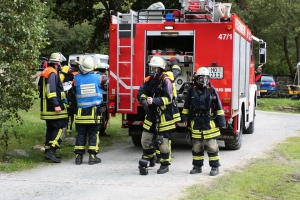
56,58
157,61
101,66
202,76
202,71
74,63
157,65
88,65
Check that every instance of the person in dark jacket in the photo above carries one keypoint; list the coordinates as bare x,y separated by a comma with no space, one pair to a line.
258,74
203,114
102,69
53,110
67,76
156,97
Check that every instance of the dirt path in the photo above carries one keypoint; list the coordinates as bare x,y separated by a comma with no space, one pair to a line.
117,177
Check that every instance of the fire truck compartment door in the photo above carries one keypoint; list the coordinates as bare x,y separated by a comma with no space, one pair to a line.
170,33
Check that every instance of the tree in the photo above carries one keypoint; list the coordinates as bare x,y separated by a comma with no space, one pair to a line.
68,40
22,35
277,23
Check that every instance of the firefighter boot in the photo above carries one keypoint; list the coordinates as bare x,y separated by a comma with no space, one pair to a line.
152,161
57,156
93,159
214,171
143,166
163,169
78,159
143,170
50,154
196,169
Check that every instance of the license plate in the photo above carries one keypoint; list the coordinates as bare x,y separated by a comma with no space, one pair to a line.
216,72
263,90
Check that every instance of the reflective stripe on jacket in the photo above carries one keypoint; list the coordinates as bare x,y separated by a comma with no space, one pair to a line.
51,94
203,109
162,100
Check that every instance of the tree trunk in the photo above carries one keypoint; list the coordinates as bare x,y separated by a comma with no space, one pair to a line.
287,56
297,48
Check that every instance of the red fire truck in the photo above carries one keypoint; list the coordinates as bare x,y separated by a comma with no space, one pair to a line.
202,33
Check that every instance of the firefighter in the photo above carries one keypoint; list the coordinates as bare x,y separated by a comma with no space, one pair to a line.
156,95
173,74
88,117
258,74
52,105
67,75
102,69
203,114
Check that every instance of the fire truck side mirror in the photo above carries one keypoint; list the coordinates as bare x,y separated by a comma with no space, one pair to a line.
262,45
262,56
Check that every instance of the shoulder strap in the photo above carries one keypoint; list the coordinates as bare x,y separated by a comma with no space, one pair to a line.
146,79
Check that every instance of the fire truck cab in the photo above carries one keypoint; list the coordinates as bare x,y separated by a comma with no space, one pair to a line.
202,33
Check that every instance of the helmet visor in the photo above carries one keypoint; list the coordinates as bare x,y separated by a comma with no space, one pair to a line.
154,71
63,58
202,80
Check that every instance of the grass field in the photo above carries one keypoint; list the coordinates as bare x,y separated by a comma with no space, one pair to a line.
279,105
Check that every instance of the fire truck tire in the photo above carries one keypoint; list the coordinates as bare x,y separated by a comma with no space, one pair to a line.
237,142
136,140
250,129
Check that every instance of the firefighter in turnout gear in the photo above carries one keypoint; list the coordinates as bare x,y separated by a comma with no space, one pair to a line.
203,114
156,97
89,97
102,69
173,74
53,110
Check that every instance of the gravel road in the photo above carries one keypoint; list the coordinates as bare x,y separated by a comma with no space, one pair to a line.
117,177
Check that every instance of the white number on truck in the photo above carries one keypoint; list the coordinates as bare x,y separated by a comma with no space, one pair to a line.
225,36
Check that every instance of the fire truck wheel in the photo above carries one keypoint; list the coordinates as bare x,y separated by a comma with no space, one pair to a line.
136,139
250,129
236,143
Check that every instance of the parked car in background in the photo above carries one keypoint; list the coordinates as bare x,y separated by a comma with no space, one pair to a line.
42,64
268,87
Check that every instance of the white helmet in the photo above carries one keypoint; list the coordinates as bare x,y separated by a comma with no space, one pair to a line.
56,58
202,71
102,66
88,65
157,61
202,76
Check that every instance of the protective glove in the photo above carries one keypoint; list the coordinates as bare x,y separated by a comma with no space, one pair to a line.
174,61
145,104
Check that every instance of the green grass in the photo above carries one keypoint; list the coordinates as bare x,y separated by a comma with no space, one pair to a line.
279,105
277,176
34,130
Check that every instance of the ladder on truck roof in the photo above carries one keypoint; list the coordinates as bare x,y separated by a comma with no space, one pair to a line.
121,78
